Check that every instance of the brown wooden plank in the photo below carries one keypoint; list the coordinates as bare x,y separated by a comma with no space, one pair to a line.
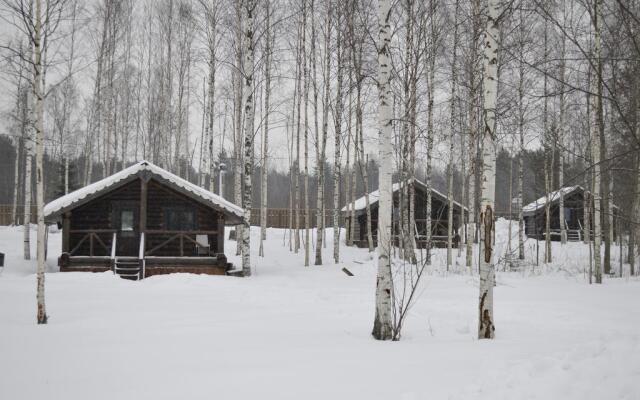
163,244
80,243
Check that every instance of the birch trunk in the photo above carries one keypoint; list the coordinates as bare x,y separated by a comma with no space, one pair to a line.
382,325
39,127
486,327
265,140
548,157
521,147
21,123
336,155
351,182
301,75
307,78
561,128
473,127
595,144
323,140
211,104
203,137
430,133
405,181
452,132
238,134
28,156
248,136
465,185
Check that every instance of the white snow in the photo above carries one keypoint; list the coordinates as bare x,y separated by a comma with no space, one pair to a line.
361,202
291,332
80,194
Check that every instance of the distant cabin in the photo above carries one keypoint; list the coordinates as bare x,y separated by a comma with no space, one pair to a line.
534,215
439,216
143,221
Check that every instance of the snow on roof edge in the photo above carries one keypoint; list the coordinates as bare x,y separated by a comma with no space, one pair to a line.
360,203
553,196
80,194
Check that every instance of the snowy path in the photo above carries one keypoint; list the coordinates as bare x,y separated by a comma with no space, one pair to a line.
291,332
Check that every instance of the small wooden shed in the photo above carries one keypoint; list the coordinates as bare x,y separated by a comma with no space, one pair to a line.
439,215
143,221
534,214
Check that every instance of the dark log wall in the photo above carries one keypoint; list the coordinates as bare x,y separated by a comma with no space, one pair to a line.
159,198
439,216
535,224
97,215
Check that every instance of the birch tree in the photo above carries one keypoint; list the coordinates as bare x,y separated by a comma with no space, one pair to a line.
473,126
39,128
265,139
596,112
337,117
452,132
322,142
250,8
382,325
486,327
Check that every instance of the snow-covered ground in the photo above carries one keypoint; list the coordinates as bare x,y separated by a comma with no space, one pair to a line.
291,332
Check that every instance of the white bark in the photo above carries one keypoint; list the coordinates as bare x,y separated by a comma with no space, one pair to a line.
561,128
250,7
452,132
521,122
595,144
39,126
28,155
430,134
238,128
382,326
265,139
473,127
486,327
548,156
336,155
323,140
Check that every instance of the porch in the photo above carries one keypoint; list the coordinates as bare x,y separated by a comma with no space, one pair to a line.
158,252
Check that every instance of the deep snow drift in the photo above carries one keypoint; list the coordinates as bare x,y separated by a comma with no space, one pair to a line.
291,332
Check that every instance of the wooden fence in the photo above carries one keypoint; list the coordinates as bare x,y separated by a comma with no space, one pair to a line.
6,214
276,217
280,217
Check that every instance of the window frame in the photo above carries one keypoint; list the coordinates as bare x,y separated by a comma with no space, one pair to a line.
182,213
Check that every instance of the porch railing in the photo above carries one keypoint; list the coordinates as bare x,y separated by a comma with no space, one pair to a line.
182,237
94,239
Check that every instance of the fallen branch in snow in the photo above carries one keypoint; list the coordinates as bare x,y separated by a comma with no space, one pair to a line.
346,271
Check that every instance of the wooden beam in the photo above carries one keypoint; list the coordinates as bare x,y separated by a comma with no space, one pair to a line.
220,236
143,203
80,243
163,244
66,228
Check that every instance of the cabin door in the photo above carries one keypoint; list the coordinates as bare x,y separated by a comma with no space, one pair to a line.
128,229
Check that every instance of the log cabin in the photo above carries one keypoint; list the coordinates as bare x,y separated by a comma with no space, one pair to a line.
439,216
534,215
143,221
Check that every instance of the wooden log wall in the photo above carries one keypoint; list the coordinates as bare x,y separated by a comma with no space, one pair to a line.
159,198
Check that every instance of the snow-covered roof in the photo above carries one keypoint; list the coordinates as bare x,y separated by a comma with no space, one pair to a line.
361,203
88,192
553,196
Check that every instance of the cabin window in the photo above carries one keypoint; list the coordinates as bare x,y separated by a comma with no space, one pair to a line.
180,219
126,221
